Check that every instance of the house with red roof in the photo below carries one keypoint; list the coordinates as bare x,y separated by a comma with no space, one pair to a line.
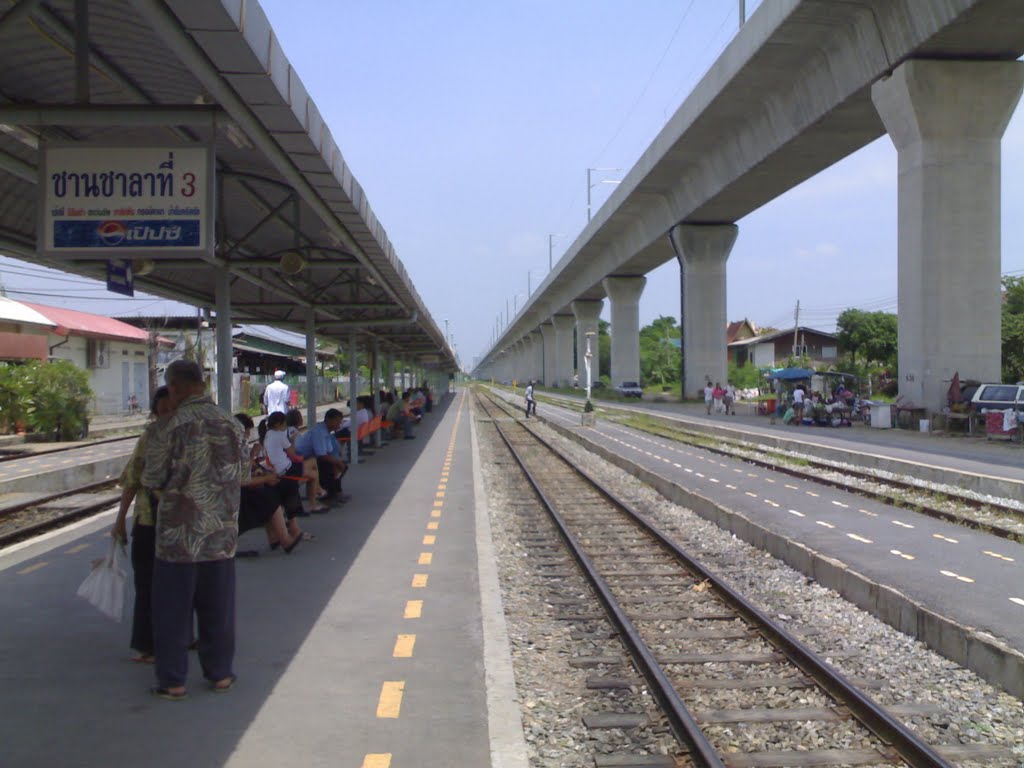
24,333
116,355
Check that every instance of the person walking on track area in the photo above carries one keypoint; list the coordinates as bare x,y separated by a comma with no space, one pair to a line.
196,463
275,396
531,404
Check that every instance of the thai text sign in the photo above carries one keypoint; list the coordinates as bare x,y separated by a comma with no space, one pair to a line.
100,200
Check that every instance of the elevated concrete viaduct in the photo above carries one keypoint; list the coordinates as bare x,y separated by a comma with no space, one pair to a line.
804,84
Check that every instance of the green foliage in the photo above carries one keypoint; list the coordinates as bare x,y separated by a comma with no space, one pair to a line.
56,398
604,349
871,336
1013,329
13,390
660,359
745,377
589,407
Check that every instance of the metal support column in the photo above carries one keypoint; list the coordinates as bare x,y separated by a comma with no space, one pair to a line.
224,371
353,376
375,388
82,64
311,370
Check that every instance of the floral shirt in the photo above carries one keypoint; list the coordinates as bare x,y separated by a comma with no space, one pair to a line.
198,460
131,477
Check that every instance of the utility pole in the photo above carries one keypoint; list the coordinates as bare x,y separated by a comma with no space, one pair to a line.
743,12
796,326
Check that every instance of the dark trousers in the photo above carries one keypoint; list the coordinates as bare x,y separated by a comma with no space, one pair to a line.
209,589
328,481
143,554
531,406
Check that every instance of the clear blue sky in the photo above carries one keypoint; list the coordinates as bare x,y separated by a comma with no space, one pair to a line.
471,125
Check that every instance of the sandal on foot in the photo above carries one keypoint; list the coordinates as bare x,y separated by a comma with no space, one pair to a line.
225,685
144,658
307,536
293,545
275,544
168,695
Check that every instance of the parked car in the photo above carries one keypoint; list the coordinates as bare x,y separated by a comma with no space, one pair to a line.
630,389
998,397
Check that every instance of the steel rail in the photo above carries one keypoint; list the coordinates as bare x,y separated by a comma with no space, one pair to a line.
24,532
907,744
8,454
939,514
683,724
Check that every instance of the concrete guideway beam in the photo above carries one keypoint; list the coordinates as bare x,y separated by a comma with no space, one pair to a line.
624,293
702,250
547,332
946,120
563,349
587,314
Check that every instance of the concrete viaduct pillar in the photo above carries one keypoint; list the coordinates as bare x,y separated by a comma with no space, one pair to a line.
624,293
587,314
946,119
537,363
519,358
563,350
547,331
702,250
526,367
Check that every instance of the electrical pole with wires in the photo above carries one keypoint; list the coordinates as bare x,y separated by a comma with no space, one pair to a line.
796,327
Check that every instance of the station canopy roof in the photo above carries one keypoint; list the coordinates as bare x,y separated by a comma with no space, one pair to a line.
295,233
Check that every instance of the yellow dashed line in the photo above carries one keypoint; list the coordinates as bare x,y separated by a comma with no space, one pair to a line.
403,646
442,486
902,524
751,495
823,523
769,501
792,487
869,514
700,474
798,514
840,504
740,471
413,609
945,538
904,555
75,550
713,480
861,539
731,487
428,540
439,495
435,513
378,760
425,558
419,580
31,568
957,576
433,525
811,493
438,504
751,474
998,556
1017,600
687,469
768,480
390,701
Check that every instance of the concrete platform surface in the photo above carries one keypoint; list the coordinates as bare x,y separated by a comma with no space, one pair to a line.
363,647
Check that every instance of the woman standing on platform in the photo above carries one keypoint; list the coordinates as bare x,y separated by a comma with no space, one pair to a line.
143,530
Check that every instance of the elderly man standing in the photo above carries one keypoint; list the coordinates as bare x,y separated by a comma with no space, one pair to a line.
196,464
275,396
319,441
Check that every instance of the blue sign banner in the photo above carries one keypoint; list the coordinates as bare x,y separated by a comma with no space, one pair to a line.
112,233
120,278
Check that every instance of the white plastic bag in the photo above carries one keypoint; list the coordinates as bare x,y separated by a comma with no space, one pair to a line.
105,586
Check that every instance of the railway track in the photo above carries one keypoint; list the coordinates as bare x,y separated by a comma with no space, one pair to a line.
13,454
893,490
678,620
32,517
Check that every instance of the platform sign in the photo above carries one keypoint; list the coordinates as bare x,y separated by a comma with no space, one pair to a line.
120,278
103,200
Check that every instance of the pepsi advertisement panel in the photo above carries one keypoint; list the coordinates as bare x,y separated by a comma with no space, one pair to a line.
147,200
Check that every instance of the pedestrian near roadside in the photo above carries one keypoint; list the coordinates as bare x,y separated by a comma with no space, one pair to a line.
709,396
798,403
143,549
275,396
196,462
729,398
531,403
717,395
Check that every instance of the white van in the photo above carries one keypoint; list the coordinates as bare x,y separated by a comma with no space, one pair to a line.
998,397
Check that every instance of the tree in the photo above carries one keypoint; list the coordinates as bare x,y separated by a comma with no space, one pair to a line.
659,357
604,349
872,335
1013,329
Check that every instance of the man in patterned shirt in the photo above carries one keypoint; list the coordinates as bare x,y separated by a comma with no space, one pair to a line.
196,464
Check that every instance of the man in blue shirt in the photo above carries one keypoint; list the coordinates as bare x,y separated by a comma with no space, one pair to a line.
319,441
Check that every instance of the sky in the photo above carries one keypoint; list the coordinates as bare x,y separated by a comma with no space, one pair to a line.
470,125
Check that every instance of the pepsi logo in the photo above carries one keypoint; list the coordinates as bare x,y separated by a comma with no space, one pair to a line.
112,232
